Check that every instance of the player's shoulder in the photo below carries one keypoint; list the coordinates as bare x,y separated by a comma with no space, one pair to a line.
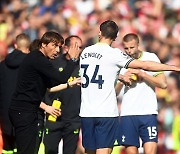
150,56
116,49
118,52
89,48
147,53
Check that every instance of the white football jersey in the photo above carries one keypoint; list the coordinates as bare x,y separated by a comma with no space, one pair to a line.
99,67
140,98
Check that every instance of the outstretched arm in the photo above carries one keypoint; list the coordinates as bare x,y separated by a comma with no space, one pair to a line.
77,81
152,66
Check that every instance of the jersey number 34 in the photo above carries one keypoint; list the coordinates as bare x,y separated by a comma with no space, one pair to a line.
96,78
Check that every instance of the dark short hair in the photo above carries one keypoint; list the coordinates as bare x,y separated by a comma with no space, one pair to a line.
131,36
109,29
52,36
35,45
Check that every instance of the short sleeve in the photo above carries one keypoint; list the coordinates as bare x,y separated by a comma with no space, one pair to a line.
123,60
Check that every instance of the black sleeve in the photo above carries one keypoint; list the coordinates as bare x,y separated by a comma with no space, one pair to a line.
56,77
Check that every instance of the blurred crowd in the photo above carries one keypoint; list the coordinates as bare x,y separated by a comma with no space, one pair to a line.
157,22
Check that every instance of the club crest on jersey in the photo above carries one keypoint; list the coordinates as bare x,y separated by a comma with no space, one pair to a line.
60,69
123,138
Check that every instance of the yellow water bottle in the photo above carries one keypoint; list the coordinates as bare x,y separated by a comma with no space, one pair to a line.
134,77
56,104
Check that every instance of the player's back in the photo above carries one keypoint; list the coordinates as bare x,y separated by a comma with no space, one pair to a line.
99,66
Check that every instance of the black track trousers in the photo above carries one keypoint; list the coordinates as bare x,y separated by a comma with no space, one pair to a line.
25,124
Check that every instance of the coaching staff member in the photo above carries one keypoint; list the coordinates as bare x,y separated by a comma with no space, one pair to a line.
67,125
36,74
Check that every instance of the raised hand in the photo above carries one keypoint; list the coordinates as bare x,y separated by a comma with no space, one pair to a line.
74,51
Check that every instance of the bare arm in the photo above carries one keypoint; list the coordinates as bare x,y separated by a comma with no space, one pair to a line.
50,109
123,80
152,66
77,81
58,88
157,81
118,87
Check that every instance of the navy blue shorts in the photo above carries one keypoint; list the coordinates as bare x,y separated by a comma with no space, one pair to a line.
99,132
131,128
